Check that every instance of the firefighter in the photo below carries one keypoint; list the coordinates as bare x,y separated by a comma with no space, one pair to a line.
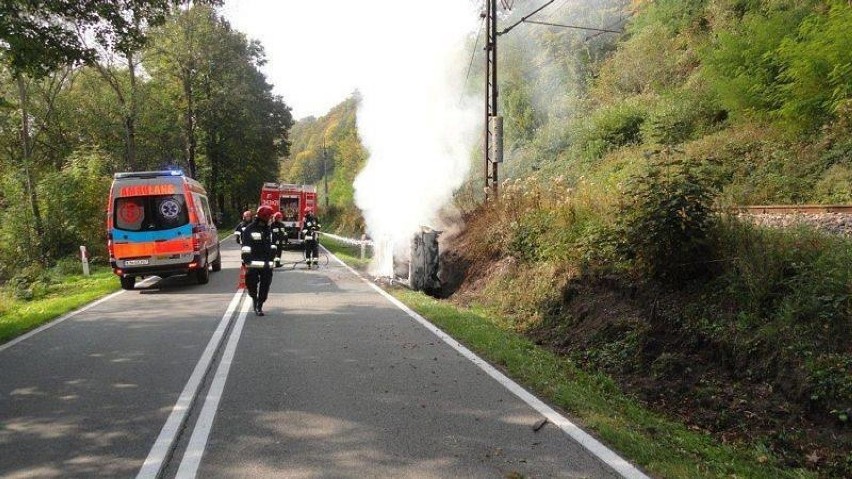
311,234
238,230
279,236
258,256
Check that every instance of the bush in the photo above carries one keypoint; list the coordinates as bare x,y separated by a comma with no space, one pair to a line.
72,220
830,383
835,186
29,282
667,219
527,235
68,266
611,128
682,116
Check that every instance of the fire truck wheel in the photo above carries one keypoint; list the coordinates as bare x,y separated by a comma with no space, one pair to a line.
202,275
217,263
128,282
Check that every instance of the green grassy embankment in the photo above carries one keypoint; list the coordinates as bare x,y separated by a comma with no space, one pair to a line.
26,305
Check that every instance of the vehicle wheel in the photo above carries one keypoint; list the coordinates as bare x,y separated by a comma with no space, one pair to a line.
217,264
202,275
128,282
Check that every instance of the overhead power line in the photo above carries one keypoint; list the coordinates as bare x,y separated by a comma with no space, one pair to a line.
510,27
472,55
576,27
612,25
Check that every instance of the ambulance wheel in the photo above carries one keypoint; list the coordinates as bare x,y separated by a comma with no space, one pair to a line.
217,264
202,275
128,282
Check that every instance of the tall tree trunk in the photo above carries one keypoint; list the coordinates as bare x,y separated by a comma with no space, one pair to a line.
130,114
189,123
32,194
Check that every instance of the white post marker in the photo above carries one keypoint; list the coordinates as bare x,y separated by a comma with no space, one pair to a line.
84,257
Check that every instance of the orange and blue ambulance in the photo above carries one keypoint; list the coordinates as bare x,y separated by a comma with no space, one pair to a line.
159,224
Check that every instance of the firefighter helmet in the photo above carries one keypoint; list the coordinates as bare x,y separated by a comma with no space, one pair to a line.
277,216
264,212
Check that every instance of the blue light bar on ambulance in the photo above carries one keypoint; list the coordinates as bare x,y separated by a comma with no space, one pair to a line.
148,174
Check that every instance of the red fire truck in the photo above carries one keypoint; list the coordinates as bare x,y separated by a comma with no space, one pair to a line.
292,201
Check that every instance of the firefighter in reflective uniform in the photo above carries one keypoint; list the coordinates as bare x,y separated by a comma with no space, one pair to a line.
279,236
258,254
238,230
311,235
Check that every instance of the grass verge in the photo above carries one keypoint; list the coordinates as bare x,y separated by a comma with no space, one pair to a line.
65,295
663,447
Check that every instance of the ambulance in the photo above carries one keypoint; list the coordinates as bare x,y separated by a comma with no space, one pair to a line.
292,201
159,224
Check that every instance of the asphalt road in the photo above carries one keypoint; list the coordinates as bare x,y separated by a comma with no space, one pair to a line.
336,381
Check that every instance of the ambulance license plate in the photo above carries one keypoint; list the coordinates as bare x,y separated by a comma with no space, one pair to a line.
135,262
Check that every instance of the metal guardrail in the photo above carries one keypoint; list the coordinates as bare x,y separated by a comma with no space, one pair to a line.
352,241
362,243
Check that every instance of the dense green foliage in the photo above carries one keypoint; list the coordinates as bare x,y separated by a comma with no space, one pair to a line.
329,149
38,36
189,94
762,86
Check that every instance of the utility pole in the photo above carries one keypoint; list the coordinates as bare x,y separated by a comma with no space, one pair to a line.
324,175
493,149
491,119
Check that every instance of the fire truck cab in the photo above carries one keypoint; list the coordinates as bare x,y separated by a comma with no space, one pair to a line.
292,201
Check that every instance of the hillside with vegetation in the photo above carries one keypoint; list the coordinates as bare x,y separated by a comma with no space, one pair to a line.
614,241
335,136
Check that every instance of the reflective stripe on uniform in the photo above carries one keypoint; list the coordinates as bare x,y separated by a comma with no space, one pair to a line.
257,264
256,236
246,249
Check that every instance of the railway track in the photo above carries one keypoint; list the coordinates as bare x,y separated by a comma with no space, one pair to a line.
793,209
834,219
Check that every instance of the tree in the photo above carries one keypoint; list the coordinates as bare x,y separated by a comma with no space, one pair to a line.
39,36
233,127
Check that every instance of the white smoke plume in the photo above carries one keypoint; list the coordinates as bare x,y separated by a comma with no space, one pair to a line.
413,120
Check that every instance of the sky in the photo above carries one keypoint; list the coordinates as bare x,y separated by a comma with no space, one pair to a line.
315,48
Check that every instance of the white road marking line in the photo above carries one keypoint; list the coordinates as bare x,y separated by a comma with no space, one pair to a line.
198,442
606,455
165,441
57,321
